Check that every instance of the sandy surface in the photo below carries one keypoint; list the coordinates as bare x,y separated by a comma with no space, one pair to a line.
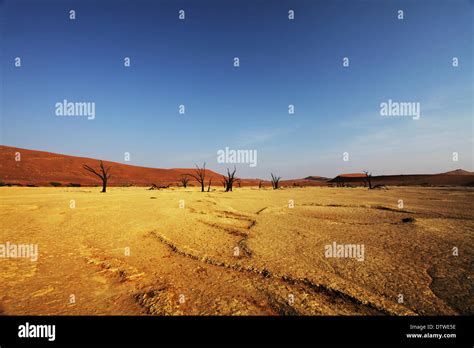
183,261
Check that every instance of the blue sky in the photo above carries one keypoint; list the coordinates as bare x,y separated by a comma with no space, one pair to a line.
282,62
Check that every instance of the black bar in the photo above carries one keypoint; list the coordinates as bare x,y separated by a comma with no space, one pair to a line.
239,330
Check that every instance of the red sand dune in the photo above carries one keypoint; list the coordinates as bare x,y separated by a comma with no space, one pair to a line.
316,178
456,177
353,175
458,172
303,182
41,168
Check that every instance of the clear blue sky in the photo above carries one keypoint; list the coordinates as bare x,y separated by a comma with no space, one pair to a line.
282,62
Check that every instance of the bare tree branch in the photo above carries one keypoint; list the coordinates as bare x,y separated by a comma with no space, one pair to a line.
104,174
200,175
275,181
368,178
184,180
229,180
209,187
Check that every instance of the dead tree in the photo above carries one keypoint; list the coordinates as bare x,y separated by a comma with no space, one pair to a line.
103,173
229,180
275,181
200,175
209,186
368,178
156,187
184,180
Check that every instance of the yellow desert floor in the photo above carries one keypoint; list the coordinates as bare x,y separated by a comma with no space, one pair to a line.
238,253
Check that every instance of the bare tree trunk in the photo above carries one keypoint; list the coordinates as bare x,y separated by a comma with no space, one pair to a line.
369,177
200,175
229,180
209,187
275,181
184,180
103,173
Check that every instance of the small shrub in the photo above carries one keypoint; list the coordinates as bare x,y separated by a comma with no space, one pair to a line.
55,183
74,185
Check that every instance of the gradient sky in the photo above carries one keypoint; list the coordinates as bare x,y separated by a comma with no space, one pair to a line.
282,62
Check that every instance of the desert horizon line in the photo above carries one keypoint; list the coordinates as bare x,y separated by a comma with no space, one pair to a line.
231,165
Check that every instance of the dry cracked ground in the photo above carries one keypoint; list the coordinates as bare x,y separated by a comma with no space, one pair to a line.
133,251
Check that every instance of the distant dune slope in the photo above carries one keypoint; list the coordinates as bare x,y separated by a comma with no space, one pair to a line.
459,172
457,177
41,168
